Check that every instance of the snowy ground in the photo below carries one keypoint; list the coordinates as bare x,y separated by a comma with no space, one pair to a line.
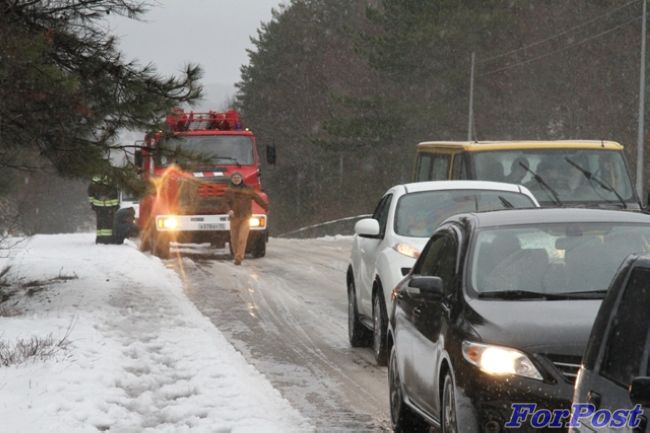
287,314
141,358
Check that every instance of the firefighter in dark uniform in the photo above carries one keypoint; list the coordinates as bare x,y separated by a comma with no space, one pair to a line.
104,199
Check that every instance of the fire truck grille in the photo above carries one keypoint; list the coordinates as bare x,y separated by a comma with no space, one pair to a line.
210,190
204,196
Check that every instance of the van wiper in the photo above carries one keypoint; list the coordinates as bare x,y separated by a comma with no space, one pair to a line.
543,183
602,183
520,294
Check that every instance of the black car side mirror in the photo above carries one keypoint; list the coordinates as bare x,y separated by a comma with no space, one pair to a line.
640,391
428,287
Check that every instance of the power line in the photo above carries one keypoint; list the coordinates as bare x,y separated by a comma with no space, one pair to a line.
575,44
565,32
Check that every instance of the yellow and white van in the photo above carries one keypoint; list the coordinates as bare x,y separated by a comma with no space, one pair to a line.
558,173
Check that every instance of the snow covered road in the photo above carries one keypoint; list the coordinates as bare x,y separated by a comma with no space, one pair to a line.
140,358
287,313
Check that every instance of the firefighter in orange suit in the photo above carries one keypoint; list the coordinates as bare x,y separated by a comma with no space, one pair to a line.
239,198
104,200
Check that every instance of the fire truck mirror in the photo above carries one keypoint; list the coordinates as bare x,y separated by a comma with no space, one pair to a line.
137,158
270,153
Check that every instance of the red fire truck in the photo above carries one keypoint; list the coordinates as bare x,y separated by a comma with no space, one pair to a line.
189,169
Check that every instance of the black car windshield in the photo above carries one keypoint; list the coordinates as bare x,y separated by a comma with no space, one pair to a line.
570,175
419,213
217,149
559,258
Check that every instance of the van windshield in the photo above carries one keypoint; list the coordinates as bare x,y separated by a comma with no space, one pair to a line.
560,176
558,258
216,149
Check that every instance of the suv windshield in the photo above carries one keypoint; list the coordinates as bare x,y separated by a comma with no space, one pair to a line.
560,258
419,213
216,149
570,175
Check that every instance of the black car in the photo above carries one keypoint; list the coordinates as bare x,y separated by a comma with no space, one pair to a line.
498,310
615,372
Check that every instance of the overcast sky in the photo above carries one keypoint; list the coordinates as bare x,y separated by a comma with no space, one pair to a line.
212,33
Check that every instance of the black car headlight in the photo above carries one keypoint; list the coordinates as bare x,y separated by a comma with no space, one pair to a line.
500,361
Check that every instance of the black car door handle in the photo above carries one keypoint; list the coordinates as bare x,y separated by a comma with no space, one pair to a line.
593,398
642,427
417,311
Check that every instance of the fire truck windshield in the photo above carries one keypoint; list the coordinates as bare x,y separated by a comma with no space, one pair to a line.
213,149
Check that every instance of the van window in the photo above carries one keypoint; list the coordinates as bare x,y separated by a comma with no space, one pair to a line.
432,166
424,167
625,357
440,169
459,170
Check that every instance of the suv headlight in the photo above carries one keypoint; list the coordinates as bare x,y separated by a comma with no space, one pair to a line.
500,361
407,250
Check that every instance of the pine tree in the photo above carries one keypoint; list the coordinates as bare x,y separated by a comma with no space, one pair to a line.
65,89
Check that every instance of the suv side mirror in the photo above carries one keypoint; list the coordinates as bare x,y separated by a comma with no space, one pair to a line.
270,154
428,287
640,391
367,228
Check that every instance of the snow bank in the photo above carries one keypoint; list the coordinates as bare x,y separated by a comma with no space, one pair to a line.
141,357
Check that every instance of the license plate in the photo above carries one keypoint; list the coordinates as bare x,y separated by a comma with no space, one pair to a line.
207,226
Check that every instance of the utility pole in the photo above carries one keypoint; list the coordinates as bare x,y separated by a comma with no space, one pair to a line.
640,164
470,121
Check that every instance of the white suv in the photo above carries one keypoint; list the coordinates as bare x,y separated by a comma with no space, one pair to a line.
386,245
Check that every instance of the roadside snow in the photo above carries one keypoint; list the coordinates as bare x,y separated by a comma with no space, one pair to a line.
335,238
141,357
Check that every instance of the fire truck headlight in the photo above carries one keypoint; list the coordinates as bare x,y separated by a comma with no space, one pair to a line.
258,221
168,223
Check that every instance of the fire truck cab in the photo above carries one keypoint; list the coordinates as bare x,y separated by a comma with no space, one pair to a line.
188,170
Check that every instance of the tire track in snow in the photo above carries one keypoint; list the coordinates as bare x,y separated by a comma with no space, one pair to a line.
287,313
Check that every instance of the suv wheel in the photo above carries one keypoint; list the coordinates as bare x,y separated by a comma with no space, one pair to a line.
448,418
358,334
379,321
402,418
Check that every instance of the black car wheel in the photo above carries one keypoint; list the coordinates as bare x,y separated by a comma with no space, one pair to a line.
449,420
358,334
403,420
379,321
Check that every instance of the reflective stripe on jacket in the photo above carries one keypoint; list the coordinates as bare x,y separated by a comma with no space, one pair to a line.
104,203
101,193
